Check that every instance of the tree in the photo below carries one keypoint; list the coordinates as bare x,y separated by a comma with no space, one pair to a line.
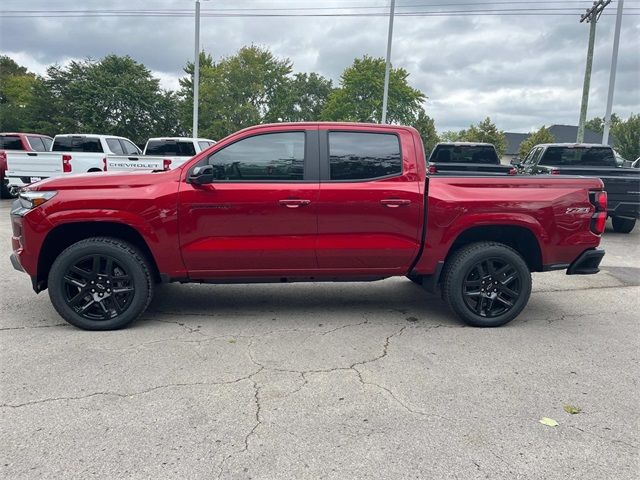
627,135
426,126
359,96
450,136
543,135
115,95
485,132
17,86
238,91
303,99
597,124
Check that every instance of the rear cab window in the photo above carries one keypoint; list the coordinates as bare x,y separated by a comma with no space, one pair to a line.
77,144
481,154
10,142
171,148
579,156
363,155
204,145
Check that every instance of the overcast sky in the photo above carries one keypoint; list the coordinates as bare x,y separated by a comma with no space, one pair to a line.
522,71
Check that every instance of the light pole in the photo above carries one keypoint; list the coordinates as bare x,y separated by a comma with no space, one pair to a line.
387,67
196,72
612,74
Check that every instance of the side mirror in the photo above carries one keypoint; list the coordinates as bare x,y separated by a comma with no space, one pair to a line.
201,175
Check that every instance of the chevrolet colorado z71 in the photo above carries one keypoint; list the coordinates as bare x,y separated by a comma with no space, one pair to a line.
303,202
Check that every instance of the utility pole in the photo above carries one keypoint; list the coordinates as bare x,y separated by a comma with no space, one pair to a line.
612,74
196,72
387,67
590,16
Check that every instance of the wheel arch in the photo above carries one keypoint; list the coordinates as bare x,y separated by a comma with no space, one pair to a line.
66,234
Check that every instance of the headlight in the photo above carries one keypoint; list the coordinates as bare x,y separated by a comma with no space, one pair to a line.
32,199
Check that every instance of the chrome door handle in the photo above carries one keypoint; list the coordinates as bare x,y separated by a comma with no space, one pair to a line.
395,202
294,203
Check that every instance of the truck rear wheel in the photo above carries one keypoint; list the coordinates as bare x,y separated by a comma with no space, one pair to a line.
623,225
100,283
487,284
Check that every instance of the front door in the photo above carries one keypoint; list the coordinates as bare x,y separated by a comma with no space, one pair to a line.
259,215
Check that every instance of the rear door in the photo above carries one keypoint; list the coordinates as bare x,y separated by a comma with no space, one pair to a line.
370,201
259,216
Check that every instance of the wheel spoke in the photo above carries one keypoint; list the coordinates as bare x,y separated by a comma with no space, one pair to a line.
505,301
479,305
508,291
76,300
95,269
121,290
79,271
74,282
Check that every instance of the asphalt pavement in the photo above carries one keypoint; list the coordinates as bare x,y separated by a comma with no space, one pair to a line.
326,381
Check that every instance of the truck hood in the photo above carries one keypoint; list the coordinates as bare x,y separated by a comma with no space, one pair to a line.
98,180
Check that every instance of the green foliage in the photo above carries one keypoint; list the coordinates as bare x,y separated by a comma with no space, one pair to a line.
426,126
486,132
359,97
115,96
597,124
543,135
627,136
16,95
450,136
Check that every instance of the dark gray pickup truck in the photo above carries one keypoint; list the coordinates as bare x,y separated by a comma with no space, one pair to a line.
622,184
467,158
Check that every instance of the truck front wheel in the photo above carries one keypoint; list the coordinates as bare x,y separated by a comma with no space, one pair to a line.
487,284
100,283
623,225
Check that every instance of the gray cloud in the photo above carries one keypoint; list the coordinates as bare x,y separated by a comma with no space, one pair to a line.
521,71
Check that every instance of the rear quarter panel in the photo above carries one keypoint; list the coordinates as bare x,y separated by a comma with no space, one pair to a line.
543,205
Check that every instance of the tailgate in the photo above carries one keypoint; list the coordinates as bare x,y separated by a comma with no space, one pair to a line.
121,163
34,164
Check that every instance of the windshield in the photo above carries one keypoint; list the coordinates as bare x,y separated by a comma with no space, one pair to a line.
579,156
465,154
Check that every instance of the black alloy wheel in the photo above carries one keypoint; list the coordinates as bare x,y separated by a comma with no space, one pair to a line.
97,287
491,288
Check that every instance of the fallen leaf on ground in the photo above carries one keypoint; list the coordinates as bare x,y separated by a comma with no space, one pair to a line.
572,409
549,422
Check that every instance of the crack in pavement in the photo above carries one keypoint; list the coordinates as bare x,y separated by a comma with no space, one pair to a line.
27,327
132,394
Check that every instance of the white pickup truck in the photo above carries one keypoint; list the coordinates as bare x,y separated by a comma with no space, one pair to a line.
69,154
160,153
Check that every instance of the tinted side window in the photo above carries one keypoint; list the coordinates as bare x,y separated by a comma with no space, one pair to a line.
204,145
61,144
47,143
273,156
129,148
36,143
114,146
8,142
87,145
361,156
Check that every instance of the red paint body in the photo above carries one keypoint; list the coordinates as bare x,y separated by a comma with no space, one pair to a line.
25,147
313,229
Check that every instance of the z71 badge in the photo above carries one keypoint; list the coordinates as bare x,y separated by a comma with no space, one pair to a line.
578,210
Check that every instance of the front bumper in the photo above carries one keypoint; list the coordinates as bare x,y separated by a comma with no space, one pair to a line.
15,261
587,263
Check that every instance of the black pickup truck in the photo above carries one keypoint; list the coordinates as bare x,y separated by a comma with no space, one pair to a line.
467,158
591,160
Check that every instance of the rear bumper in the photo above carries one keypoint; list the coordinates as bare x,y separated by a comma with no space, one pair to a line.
587,263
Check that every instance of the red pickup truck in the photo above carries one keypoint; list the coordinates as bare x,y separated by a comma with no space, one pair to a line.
303,202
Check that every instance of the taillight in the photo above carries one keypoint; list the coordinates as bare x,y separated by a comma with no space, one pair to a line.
599,219
554,171
104,164
166,164
513,171
433,169
66,163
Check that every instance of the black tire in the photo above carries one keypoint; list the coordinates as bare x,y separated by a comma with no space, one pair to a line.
110,268
623,225
417,279
487,284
